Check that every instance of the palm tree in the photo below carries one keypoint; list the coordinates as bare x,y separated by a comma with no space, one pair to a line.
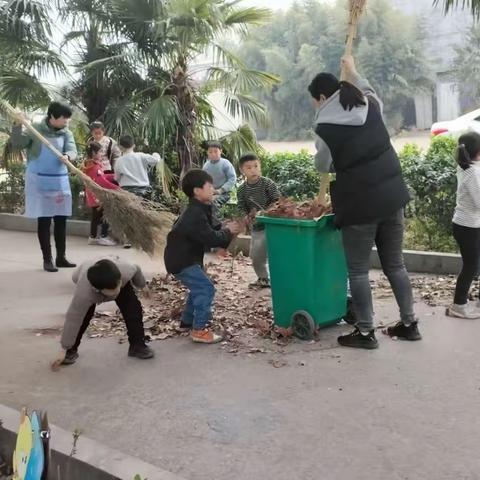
96,86
178,47
473,5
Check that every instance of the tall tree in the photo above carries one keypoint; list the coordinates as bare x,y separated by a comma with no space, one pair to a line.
309,38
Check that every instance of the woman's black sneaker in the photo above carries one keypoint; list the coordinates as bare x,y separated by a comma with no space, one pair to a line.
48,266
404,332
141,351
357,340
62,262
70,357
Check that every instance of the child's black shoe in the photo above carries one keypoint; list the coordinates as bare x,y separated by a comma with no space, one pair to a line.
357,339
141,351
70,357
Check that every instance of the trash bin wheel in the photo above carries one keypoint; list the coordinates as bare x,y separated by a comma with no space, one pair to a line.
303,325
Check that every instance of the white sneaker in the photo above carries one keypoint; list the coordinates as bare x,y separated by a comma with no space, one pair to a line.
92,241
463,311
106,242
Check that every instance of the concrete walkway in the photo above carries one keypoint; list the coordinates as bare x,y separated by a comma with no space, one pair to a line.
405,411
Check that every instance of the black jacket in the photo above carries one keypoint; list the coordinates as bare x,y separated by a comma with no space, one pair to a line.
194,230
369,184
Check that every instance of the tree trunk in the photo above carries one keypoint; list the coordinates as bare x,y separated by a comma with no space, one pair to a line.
184,141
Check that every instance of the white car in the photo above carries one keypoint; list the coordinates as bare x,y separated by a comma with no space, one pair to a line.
468,122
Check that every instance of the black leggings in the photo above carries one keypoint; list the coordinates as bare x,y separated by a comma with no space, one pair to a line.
97,219
468,240
132,313
59,233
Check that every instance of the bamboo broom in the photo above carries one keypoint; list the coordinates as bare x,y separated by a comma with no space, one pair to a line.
142,223
356,8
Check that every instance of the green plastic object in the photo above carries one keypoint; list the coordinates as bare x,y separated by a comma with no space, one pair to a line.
308,272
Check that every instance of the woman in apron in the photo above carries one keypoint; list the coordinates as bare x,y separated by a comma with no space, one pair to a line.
47,187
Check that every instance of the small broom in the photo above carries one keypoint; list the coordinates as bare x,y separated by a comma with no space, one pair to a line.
142,223
356,8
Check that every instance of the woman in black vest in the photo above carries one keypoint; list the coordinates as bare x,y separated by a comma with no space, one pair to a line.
368,195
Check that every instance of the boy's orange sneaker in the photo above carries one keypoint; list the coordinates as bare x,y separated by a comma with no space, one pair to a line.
205,336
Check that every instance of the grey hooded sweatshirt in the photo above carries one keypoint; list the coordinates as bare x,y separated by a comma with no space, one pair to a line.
86,295
355,144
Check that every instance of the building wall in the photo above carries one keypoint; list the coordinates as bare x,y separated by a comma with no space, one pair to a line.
443,34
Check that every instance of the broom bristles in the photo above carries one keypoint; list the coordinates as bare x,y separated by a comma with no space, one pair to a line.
144,224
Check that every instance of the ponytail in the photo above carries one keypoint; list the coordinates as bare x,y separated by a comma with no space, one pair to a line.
351,96
463,158
468,149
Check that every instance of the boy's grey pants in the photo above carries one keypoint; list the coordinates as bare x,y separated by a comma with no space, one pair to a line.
258,253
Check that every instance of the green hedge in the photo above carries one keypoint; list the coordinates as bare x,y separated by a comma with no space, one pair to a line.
431,177
294,173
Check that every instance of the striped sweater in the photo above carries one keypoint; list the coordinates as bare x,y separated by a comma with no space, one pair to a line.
259,195
467,210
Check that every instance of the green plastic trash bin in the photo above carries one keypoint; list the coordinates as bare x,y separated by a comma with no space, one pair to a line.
308,273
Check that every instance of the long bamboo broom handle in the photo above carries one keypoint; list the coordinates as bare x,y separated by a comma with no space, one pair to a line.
15,115
355,13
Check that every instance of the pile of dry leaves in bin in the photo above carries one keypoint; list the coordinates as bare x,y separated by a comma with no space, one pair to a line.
245,315
308,210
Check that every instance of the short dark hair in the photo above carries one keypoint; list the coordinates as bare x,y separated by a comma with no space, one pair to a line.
248,157
214,144
57,110
327,84
468,149
195,178
97,124
126,141
104,275
92,149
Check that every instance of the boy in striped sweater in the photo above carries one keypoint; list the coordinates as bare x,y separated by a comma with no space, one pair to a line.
256,193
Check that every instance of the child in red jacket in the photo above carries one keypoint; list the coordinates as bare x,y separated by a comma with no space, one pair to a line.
93,168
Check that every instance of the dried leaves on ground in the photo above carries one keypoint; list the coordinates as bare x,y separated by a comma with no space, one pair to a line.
242,313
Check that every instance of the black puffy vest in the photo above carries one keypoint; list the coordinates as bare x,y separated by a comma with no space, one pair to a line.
369,184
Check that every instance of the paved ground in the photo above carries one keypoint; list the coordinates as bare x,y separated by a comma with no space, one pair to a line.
421,138
405,411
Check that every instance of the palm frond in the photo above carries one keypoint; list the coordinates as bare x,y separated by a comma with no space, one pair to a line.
448,5
251,16
165,178
21,88
246,108
161,117
121,116
242,79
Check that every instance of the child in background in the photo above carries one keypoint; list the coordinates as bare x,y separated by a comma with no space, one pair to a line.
222,172
110,151
193,231
106,280
93,168
256,193
131,169
466,223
